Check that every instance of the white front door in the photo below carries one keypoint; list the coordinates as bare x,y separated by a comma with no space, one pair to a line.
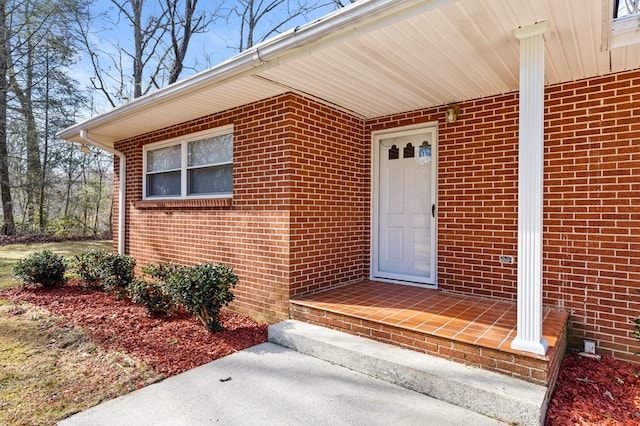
403,206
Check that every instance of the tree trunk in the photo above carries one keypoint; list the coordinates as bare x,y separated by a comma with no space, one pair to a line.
24,96
138,40
34,167
42,214
8,221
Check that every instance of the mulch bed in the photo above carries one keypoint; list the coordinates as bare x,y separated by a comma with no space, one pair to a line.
595,392
588,392
171,345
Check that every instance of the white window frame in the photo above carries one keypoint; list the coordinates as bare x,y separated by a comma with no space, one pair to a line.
184,167
625,30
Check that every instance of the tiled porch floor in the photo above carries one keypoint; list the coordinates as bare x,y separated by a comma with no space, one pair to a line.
484,322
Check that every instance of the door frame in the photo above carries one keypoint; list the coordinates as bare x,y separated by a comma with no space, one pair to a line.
431,126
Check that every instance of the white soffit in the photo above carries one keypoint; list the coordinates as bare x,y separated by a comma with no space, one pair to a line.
459,50
462,50
177,110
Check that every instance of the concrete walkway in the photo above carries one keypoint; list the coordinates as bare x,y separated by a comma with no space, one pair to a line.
271,385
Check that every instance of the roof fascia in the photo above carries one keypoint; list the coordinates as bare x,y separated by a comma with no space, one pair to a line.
345,22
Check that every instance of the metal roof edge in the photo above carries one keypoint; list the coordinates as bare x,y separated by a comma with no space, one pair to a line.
337,24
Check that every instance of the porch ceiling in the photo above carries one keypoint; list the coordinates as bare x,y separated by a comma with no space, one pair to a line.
374,61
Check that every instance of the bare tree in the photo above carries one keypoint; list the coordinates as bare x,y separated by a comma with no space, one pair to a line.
22,86
261,19
8,222
181,28
105,78
161,33
147,36
340,3
40,45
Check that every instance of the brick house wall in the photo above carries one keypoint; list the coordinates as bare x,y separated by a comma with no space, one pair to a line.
299,220
592,208
591,241
330,198
290,227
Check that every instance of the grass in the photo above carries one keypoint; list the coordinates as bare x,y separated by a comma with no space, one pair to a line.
49,368
11,253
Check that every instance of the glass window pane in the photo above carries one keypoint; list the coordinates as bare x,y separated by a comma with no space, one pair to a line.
211,180
394,153
626,8
163,159
163,184
409,151
214,150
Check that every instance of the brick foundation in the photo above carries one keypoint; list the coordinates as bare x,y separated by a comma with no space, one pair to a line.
540,370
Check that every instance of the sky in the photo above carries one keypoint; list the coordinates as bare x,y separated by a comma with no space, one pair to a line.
205,50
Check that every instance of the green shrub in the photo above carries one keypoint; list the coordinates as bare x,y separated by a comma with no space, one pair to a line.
152,295
44,267
104,270
120,273
202,289
90,265
160,271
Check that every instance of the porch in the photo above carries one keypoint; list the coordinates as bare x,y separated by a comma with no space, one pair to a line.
471,330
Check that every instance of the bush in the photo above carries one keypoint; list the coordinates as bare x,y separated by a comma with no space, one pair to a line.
202,289
160,271
153,296
120,273
103,270
44,267
90,267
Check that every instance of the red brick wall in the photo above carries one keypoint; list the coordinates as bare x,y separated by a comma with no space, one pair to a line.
330,193
591,209
477,193
299,219
291,226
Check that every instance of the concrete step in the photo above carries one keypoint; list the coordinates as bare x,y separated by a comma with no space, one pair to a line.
501,397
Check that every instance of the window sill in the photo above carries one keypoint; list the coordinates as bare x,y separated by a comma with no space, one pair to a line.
625,31
184,203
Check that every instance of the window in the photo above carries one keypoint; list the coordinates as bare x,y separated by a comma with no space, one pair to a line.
622,8
197,167
626,21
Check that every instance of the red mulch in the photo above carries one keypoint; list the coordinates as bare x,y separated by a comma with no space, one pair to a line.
588,391
595,392
170,345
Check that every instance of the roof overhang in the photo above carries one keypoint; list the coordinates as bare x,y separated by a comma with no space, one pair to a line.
380,57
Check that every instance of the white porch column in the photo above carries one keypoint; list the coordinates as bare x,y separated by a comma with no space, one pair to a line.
530,189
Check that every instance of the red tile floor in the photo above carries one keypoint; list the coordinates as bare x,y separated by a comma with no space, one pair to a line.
485,322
